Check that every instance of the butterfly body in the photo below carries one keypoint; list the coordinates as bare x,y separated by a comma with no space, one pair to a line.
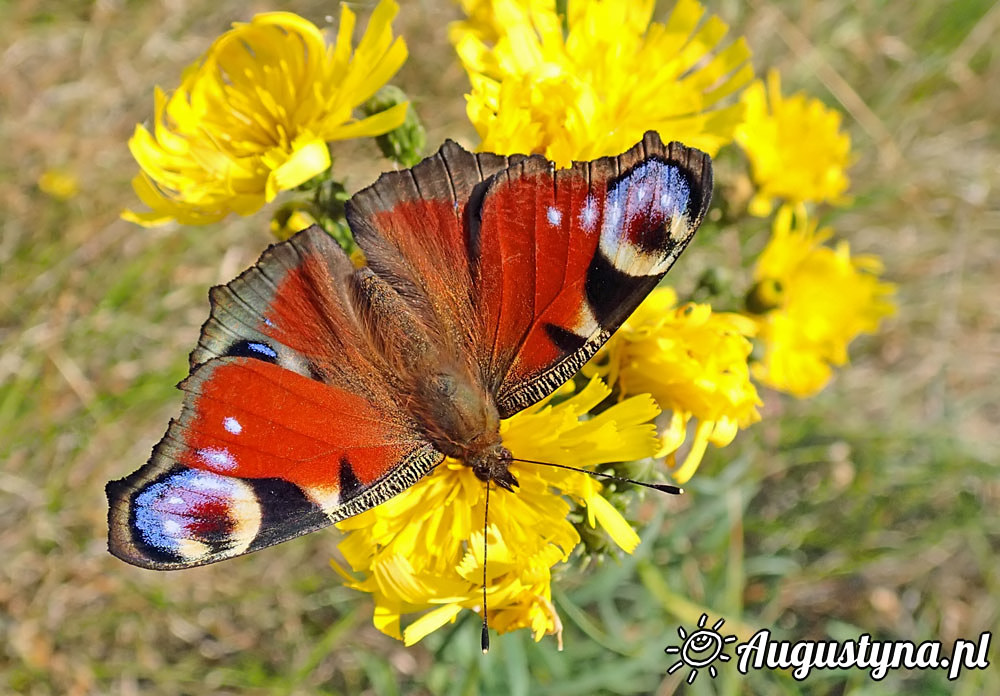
447,396
320,389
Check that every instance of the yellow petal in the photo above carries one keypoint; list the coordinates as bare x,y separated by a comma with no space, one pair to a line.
612,521
386,619
310,157
376,124
429,622
695,454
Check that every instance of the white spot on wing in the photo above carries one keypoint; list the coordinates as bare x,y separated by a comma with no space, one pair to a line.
588,216
680,227
192,550
611,227
232,425
613,213
218,459
553,215
327,497
207,483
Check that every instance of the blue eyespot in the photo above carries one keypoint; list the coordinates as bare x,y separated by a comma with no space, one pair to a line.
262,348
253,349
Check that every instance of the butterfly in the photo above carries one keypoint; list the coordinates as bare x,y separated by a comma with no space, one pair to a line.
319,388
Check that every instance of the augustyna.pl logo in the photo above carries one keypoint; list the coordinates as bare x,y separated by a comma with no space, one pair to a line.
703,647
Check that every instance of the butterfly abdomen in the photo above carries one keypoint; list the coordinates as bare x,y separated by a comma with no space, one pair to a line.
462,421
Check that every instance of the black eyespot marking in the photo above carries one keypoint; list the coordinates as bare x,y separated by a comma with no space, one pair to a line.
283,506
350,486
609,291
565,340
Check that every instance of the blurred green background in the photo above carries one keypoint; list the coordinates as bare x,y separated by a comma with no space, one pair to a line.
872,508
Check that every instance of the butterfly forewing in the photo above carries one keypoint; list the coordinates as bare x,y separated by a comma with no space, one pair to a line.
289,430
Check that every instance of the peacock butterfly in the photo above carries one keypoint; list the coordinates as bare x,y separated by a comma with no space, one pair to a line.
319,389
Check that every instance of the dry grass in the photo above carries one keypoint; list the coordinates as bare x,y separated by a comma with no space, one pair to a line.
873,506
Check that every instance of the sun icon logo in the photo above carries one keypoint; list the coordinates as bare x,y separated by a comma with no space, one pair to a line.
700,649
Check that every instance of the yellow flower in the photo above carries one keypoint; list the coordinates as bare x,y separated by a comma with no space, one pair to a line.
423,549
59,183
291,218
595,90
253,116
483,22
812,302
796,150
694,363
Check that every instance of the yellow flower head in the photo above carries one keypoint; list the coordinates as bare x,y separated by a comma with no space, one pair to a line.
252,117
61,184
596,89
796,150
814,301
423,549
694,363
483,22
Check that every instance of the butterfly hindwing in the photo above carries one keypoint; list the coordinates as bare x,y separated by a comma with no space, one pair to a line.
292,308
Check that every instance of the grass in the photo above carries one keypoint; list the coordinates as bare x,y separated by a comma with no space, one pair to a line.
872,508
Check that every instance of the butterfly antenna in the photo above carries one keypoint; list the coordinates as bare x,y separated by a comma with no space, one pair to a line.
486,522
662,487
